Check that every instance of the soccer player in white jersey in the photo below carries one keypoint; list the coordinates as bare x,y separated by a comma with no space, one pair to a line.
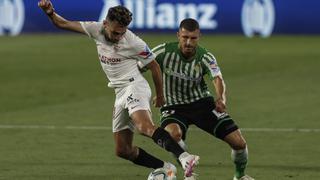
119,51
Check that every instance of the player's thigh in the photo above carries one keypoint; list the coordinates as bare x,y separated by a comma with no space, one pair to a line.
121,119
143,122
175,123
217,125
138,97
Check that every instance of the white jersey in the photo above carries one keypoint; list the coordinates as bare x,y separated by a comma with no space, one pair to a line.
119,60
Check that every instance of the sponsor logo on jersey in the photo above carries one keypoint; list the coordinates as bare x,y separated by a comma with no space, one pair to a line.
258,17
146,53
11,17
182,75
107,60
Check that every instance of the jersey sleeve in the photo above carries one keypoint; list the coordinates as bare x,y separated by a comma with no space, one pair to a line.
141,51
91,28
211,66
159,52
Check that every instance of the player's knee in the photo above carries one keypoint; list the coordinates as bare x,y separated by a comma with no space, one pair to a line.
146,129
124,153
238,145
175,133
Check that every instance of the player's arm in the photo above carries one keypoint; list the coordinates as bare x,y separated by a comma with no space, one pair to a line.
220,88
57,20
154,67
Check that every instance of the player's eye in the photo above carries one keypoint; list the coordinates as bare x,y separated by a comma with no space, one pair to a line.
185,37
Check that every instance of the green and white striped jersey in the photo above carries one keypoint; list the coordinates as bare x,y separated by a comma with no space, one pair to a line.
183,80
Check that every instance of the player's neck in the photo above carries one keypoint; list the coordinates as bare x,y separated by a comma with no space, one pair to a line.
106,37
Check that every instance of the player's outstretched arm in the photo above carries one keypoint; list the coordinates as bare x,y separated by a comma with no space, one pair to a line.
57,20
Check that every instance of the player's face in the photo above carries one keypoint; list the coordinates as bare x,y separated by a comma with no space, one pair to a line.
188,41
114,30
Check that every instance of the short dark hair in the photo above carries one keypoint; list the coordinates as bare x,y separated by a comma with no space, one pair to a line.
120,14
189,24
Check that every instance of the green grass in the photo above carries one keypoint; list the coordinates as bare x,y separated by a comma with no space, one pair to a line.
56,80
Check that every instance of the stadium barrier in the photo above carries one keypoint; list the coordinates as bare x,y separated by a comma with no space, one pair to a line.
250,17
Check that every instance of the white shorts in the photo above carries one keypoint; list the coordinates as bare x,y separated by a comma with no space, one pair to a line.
129,99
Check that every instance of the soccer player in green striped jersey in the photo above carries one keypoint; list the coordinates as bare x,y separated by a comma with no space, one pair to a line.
188,101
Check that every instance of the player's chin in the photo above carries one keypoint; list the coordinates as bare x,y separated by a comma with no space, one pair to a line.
188,50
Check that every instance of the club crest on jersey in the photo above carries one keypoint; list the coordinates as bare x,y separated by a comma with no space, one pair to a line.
146,53
197,67
214,65
167,113
116,47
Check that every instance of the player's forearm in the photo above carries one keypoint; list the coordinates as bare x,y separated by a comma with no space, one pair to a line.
62,23
157,77
58,20
220,88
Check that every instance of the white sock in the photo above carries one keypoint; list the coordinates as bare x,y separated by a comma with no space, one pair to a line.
183,145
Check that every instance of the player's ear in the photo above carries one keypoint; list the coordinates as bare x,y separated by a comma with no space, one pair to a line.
178,34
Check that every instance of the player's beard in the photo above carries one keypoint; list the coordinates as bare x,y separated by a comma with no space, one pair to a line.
188,51
110,40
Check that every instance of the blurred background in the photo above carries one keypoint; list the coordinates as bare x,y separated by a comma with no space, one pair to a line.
56,108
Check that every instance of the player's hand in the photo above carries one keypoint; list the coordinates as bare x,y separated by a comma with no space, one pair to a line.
46,6
220,106
158,101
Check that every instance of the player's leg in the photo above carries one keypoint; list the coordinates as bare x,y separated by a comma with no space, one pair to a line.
123,129
138,97
225,129
125,149
239,152
222,126
174,122
176,133
144,124
123,135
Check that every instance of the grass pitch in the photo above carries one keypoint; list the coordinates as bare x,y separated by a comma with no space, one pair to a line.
55,109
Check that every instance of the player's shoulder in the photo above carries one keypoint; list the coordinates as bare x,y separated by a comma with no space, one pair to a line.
204,53
172,46
202,50
163,48
133,40
168,46
131,37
